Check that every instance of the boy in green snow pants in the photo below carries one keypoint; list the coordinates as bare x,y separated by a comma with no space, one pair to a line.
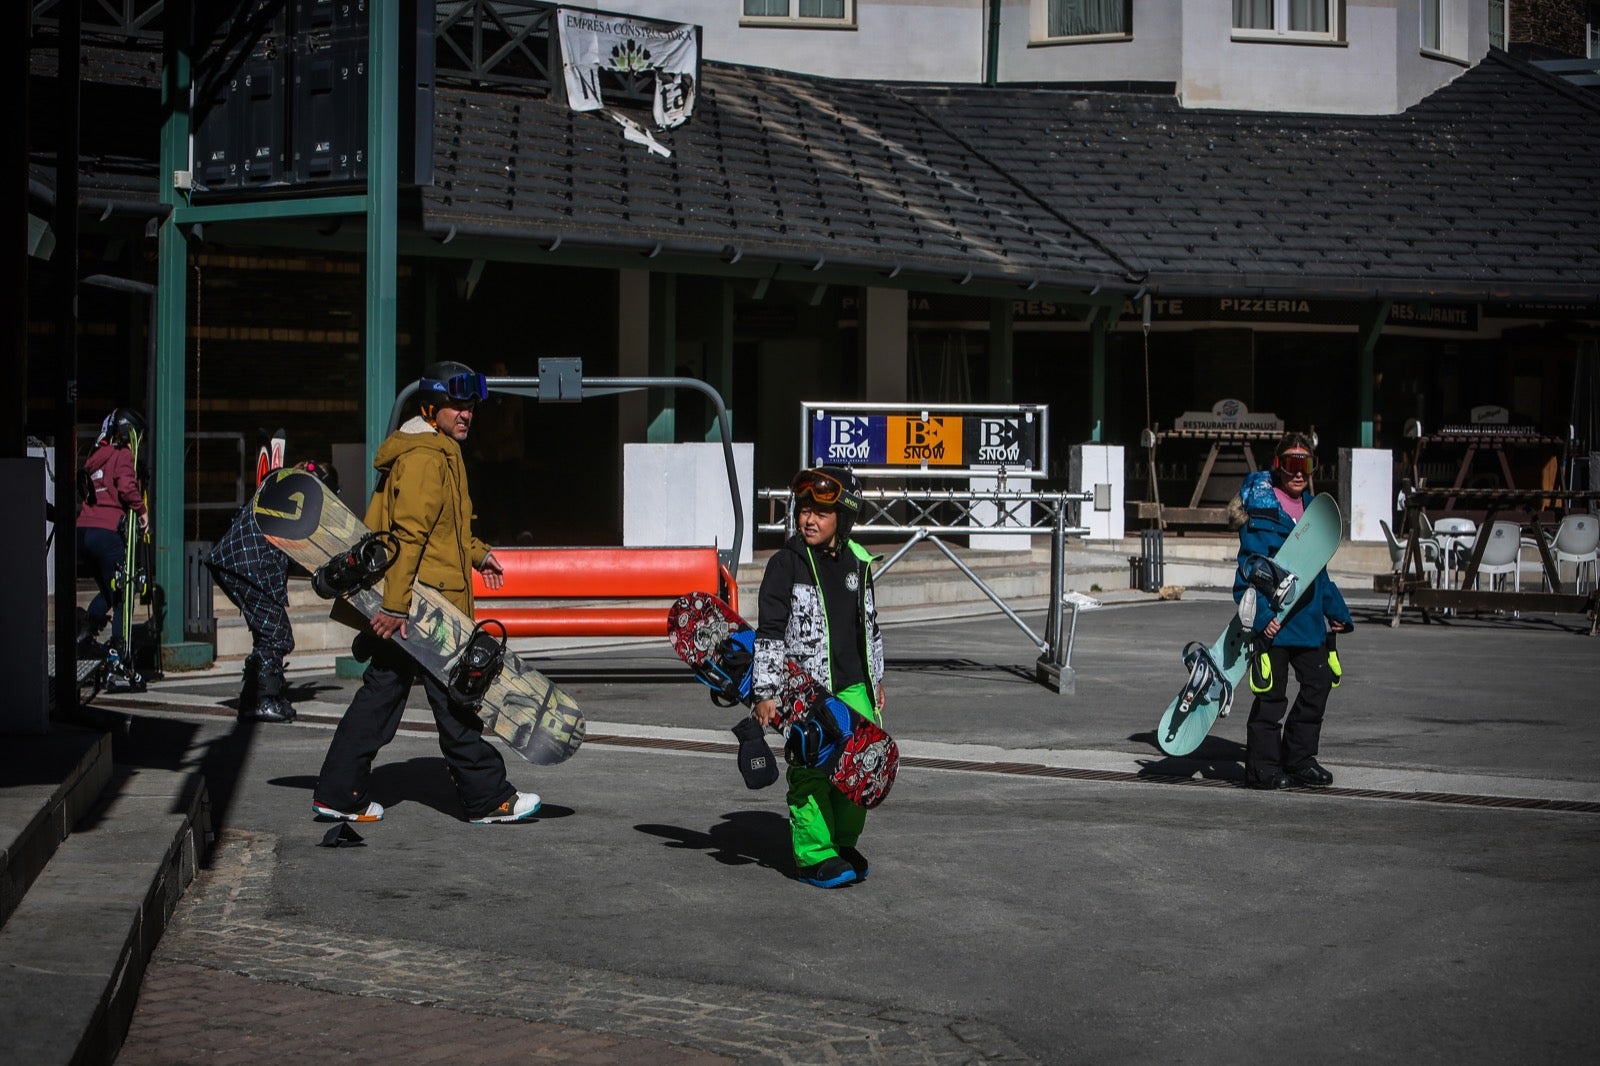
817,607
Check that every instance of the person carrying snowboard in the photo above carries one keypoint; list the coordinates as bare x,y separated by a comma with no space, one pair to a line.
422,499
1279,752
255,577
112,497
817,608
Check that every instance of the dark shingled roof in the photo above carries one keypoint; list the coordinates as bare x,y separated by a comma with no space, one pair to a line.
1489,188
775,167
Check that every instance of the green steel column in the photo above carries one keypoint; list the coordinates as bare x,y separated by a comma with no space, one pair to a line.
1002,369
172,315
719,358
1371,328
383,219
1097,376
663,357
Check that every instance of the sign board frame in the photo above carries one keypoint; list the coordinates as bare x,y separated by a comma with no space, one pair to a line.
956,440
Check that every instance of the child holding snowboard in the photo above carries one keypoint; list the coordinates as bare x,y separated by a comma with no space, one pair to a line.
1265,511
817,607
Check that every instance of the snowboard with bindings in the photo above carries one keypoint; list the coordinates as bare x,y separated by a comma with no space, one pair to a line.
1217,670
303,518
821,729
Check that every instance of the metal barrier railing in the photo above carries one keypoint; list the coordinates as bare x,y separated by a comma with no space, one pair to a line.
928,514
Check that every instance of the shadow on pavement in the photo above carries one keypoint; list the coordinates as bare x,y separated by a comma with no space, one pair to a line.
741,838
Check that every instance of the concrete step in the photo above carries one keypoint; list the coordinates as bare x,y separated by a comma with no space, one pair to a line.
73,953
49,783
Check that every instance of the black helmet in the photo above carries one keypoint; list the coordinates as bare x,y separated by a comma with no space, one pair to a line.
122,426
324,472
830,486
448,382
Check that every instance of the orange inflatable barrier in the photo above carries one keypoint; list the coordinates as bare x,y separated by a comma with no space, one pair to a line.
597,574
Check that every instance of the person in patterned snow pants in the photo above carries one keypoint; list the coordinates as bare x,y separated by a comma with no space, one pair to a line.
255,577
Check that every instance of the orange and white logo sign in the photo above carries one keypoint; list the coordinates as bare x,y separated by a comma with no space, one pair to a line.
934,441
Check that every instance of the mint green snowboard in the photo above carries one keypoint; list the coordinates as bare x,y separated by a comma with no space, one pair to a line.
1310,546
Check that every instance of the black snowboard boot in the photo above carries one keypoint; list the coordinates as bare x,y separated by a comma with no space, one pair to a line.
250,689
88,629
270,706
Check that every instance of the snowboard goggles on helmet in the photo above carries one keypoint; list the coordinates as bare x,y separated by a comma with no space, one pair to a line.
824,489
460,388
1296,463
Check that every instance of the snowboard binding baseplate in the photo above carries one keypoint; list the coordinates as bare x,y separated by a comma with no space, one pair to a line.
480,662
358,568
1206,680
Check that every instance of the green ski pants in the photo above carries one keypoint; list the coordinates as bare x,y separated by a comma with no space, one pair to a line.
821,819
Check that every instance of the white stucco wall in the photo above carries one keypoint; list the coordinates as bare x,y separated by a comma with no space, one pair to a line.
1378,67
896,40
1152,54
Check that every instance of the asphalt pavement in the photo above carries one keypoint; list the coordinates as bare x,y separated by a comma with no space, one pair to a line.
1045,885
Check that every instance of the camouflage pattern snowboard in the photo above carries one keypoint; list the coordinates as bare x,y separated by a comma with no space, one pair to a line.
299,514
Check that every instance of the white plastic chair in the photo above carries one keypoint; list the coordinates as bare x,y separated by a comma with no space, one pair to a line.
1577,541
1500,555
1455,537
1397,553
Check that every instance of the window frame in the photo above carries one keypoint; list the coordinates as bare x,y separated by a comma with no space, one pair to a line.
1040,26
1503,31
1454,31
1280,18
847,21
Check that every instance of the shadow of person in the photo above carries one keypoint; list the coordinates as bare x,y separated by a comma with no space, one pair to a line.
741,838
424,779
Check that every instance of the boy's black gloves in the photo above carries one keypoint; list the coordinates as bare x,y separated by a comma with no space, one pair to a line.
756,763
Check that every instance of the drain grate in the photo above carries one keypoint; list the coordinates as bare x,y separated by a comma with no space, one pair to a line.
1023,769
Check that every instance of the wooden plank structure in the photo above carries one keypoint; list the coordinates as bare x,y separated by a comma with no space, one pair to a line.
1523,505
1232,443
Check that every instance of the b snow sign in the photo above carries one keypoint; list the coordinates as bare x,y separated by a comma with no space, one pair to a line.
932,440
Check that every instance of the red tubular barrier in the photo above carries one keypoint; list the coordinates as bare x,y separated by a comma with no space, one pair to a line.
598,574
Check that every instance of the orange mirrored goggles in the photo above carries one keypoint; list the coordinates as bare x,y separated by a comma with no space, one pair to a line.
822,488
1305,465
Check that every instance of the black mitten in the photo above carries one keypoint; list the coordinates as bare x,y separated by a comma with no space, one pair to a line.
756,763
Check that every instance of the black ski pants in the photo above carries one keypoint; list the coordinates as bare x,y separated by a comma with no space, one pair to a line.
372,720
1270,749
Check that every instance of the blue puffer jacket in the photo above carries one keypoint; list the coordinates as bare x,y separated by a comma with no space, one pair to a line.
1265,529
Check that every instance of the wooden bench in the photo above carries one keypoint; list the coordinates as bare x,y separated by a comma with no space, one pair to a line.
586,575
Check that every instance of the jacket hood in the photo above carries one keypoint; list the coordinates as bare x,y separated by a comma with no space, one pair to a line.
415,433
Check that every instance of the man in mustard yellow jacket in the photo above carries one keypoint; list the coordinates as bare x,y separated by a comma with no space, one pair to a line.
422,499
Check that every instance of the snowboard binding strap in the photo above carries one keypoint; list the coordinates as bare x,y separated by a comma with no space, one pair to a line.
1206,681
480,662
358,568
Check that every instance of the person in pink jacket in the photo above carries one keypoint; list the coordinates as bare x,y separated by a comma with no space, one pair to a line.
112,489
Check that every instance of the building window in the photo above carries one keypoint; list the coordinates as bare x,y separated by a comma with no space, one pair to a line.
1444,28
800,12
1497,24
1088,18
1594,29
1277,19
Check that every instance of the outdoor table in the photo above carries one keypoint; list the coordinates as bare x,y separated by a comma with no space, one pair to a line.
1525,505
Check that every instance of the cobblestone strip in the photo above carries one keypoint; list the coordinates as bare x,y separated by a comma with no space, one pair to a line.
221,925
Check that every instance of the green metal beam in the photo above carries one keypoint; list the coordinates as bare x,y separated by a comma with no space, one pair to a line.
1370,330
172,314
663,357
383,221
1099,325
1002,355
295,207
